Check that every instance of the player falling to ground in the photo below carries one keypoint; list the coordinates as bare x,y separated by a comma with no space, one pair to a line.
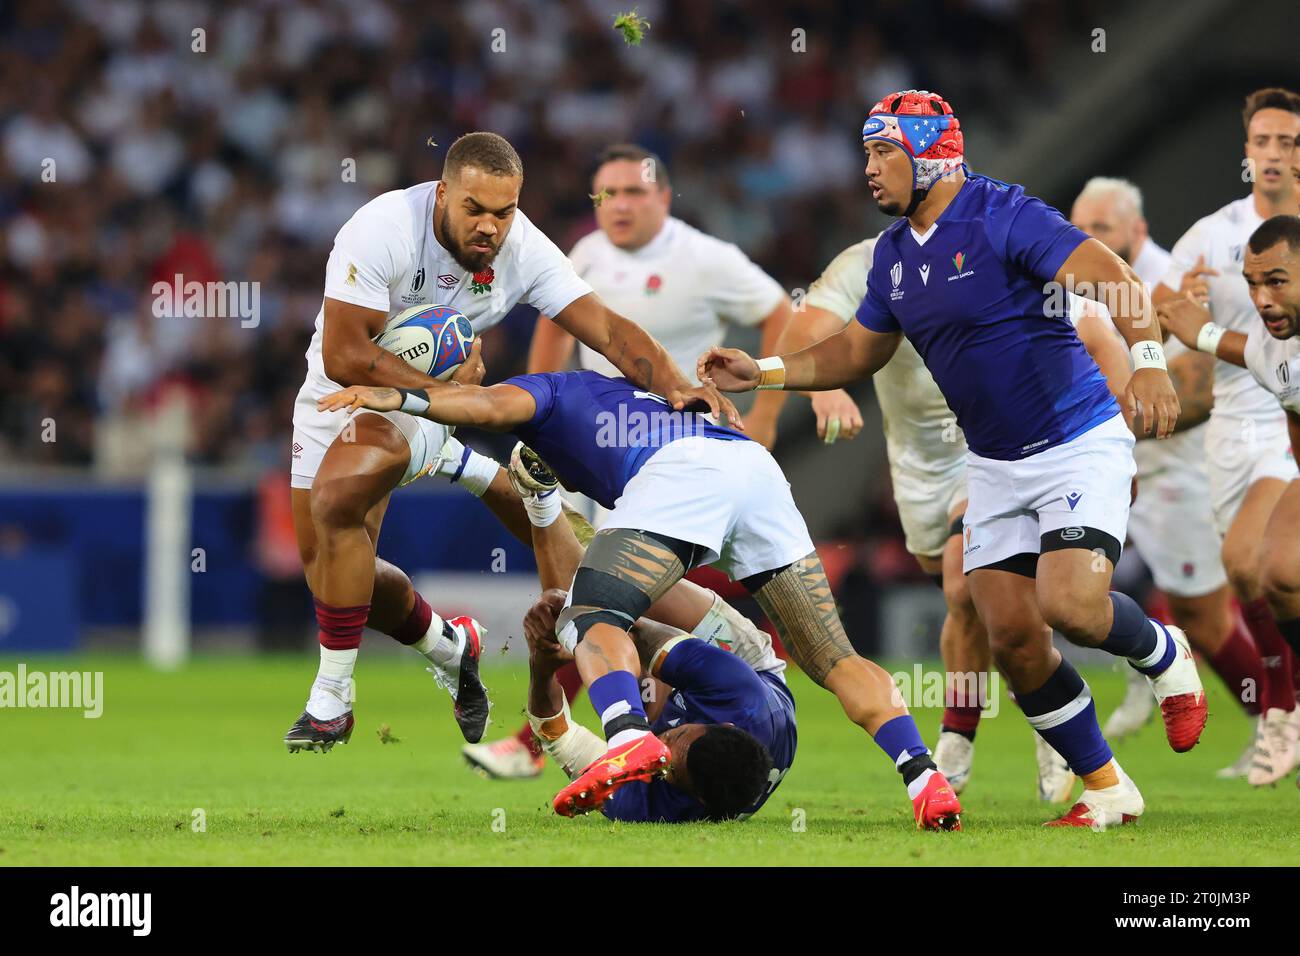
1171,522
927,466
966,273
1247,448
726,716
684,493
680,285
461,242
1270,352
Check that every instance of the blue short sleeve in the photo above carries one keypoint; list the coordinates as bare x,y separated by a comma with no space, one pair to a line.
1039,239
873,312
542,387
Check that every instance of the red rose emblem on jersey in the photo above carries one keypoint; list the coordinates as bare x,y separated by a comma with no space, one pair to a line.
653,284
482,281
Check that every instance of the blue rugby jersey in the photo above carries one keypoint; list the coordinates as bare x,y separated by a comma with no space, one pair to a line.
596,432
971,299
711,686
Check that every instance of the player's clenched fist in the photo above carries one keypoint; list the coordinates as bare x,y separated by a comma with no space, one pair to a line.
731,370
1151,394
1183,318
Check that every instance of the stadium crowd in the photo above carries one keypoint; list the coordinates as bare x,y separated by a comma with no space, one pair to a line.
230,141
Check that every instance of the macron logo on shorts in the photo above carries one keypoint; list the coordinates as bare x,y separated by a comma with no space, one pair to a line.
1073,498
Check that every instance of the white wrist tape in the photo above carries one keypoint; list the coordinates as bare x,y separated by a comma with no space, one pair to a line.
543,509
415,401
1207,340
571,745
771,373
1148,354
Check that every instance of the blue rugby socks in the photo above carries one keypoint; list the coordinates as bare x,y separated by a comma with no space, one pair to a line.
616,696
1145,642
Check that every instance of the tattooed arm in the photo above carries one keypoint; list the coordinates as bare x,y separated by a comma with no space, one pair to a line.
635,353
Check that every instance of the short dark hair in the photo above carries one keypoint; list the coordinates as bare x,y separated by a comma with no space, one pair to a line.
1272,231
729,770
486,151
1269,98
637,154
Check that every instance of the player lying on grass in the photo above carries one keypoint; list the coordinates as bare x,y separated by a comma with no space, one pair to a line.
684,493
727,718
1271,353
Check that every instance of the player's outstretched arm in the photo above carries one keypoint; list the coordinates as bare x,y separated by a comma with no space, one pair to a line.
853,353
498,408
804,329
1095,272
641,359
1192,324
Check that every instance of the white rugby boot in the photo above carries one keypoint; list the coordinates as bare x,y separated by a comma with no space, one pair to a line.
1179,692
953,755
1055,778
1106,807
1275,748
1134,712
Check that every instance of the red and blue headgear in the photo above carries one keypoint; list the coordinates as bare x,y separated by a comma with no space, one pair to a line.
922,124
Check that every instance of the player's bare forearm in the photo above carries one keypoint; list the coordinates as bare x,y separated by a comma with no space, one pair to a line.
558,554
551,348
351,356
640,359
1184,319
851,354
545,696
1095,272
498,408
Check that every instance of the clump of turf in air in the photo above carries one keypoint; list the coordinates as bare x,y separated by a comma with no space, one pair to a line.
598,198
385,734
632,26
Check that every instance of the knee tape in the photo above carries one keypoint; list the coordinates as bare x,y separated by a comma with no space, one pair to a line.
598,598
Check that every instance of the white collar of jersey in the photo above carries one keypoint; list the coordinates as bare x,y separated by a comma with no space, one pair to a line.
922,237
658,242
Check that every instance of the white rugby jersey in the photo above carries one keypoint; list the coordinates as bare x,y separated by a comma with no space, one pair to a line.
1185,449
921,432
680,287
1275,364
387,258
1221,238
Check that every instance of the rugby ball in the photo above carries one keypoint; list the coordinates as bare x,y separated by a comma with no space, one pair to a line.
433,339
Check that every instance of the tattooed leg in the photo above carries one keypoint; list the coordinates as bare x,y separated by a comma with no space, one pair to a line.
799,602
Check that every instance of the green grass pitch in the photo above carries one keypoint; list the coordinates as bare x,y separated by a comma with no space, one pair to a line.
124,789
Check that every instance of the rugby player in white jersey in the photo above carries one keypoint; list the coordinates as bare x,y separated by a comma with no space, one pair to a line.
679,284
1270,352
1171,522
461,242
1247,447
927,465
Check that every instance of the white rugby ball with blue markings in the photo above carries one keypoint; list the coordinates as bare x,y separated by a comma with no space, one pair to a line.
433,339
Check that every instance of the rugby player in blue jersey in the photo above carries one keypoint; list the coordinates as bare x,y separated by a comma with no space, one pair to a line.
684,492
726,716
974,274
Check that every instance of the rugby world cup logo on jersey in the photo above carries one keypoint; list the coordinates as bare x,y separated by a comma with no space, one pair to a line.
417,283
896,277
